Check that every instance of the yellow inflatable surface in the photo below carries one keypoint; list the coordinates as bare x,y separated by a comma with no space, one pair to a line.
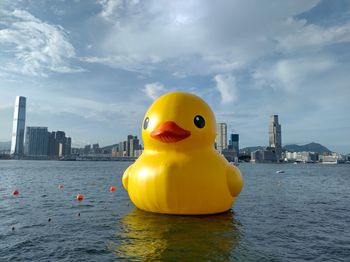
179,171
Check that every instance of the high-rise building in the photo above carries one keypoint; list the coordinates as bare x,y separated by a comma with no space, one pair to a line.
52,145
134,145
19,120
121,148
221,137
68,149
36,142
129,139
234,143
87,149
275,137
61,143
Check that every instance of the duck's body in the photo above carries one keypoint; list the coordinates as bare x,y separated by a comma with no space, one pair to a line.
177,177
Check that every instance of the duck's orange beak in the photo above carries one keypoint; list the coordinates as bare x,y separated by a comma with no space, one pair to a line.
170,132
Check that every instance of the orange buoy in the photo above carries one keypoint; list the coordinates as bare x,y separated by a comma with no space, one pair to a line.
112,188
79,197
60,186
15,193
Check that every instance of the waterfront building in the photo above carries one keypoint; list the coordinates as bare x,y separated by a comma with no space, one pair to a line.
19,119
221,137
128,141
61,143
122,149
87,149
333,158
115,151
266,155
60,150
52,145
134,145
129,148
234,143
137,153
68,147
36,142
230,155
275,136
305,157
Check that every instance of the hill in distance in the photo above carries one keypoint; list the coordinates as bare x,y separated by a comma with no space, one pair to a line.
110,147
311,147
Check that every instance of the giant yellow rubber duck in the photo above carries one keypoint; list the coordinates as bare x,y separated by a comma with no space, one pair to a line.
179,171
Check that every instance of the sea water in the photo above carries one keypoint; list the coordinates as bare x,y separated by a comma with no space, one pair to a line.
302,214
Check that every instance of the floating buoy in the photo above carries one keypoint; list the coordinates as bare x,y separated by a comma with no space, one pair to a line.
60,186
112,188
79,197
15,193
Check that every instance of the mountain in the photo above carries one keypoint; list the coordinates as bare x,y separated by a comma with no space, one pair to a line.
311,147
110,147
5,145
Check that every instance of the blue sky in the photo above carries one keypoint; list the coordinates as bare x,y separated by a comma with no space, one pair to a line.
92,68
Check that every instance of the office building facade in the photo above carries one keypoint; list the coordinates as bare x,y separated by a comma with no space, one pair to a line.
134,146
19,119
36,142
234,143
221,137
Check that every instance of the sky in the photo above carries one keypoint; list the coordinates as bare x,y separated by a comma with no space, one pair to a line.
92,68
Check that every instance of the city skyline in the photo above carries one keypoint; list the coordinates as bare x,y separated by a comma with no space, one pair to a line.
93,68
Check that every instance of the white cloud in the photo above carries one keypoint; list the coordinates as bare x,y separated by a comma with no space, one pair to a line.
292,74
110,8
226,85
154,90
305,35
130,63
32,47
193,37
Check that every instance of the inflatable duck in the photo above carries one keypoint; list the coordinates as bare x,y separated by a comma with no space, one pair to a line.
179,171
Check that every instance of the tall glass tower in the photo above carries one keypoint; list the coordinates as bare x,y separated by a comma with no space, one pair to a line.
234,143
275,137
19,121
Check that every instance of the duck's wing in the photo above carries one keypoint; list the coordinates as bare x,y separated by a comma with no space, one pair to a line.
125,179
234,180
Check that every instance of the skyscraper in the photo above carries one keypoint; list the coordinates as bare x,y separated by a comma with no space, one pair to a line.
128,142
19,120
68,149
52,145
61,143
37,141
221,137
134,145
234,143
275,137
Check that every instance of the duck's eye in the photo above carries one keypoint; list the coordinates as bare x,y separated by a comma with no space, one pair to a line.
145,123
199,121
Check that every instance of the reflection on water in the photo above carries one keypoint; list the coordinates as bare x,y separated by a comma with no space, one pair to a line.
147,236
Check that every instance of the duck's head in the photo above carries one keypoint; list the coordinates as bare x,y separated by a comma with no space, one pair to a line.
179,121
